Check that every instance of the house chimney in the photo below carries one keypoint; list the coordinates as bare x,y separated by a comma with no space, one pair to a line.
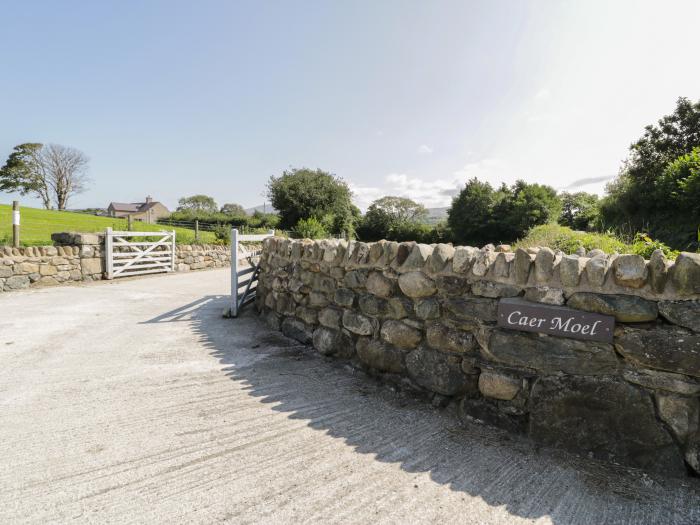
149,199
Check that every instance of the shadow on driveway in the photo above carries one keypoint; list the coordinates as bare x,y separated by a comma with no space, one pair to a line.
400,428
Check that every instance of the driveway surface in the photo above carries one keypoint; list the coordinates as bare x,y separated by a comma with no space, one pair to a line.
135,402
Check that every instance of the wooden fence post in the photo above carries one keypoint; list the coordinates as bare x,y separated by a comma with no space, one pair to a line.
15,224
196,230
109,266
128,222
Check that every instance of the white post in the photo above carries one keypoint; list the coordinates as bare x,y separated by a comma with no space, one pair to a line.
234,272
108,254
172,252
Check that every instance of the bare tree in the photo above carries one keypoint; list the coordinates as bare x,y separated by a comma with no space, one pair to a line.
51,172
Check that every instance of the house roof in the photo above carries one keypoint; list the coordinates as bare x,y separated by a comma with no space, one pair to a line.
133,207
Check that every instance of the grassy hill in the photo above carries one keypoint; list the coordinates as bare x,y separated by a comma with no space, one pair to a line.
37,225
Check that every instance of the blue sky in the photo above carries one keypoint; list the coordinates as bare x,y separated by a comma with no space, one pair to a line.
398,97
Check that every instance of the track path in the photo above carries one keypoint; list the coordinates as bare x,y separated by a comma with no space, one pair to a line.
135,402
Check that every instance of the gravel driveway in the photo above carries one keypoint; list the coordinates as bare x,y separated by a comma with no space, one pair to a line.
135,402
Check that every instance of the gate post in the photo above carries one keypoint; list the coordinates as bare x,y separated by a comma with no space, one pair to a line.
108,253
172,251
234,272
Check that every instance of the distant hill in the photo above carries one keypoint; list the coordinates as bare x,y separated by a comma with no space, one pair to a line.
265,208
437,214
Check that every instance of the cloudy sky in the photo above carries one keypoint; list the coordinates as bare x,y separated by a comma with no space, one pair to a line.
397,97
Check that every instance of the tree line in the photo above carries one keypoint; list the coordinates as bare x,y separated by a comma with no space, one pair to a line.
656,193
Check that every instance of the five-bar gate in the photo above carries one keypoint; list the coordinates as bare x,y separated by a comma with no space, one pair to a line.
150,252
245,268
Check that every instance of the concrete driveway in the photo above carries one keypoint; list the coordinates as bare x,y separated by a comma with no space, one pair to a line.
135,402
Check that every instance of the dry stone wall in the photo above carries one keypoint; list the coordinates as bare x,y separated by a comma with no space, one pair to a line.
426,316
78,257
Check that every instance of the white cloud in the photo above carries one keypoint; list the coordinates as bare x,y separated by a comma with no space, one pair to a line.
543,94
424,149
434,193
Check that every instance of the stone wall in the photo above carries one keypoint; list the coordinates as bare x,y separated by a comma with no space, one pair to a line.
78,257
425,316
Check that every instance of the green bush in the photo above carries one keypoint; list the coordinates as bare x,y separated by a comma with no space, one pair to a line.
644,245
310,228
567,240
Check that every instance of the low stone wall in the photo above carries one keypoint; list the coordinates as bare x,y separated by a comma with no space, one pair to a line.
79,257
426,316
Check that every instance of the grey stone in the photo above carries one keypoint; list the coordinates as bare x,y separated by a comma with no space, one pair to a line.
296,330
91,266
333,342
446,339
503,248
607,418
625,308
546,295
596,270
371,305
473,308
551,355
673,349
438,372
692,452
570,269
658,380
501,267
17,282
685,273
399,307
523,263
357,323
416,284
451,286
379,285
318,299
581,251
463,258
306,314
26,268
273,320
324,284
683,313
489,413
344,297
596,252
355,278
381,356
6,271
484,259
417,258
681,414
499,385
400,334
402,253
495,290
630,270
427,308
658,271
442,254
544,265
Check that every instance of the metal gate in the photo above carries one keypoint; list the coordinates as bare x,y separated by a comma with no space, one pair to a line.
245,268
151,252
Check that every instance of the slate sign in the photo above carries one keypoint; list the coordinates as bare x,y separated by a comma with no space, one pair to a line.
518,314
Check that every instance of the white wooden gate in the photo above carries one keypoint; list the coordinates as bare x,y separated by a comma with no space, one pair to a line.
245,267
125,257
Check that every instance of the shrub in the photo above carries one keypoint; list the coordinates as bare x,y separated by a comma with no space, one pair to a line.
310,228
644,245
567,240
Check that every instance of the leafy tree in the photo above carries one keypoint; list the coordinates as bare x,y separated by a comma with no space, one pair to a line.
580,211
304,193
480,215
52,172
198,205
388,216
470,214
638,199
235,210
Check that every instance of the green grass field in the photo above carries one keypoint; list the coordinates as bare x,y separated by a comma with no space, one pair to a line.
37,225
